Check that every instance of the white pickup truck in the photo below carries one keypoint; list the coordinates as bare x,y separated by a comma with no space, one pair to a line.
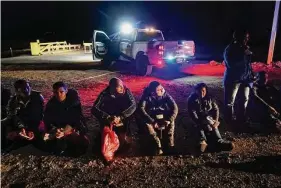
146,48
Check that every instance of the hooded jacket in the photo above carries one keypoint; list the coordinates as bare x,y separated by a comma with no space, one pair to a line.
108,104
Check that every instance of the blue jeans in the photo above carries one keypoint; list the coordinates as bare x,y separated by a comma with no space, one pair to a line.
230,94
213,135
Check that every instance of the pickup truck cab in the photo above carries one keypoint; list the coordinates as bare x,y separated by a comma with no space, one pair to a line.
146,48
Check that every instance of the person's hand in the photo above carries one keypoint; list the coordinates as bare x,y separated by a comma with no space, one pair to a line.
23,134
117,120
30,134
216,124
46,136
59,133
272,110
156,126
167,123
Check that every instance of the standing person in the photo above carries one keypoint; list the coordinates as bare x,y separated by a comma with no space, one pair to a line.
238,75
204,111
159,110
115,105
64,122
24,115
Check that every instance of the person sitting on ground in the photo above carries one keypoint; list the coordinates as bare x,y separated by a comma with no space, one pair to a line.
115,105
267,100
64,122
204,111
159,111
24,115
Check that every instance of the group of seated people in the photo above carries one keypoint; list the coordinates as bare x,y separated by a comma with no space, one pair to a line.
60,128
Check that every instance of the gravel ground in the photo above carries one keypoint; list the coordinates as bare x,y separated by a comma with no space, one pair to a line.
255,162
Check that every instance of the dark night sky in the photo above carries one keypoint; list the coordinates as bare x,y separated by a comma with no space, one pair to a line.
210,24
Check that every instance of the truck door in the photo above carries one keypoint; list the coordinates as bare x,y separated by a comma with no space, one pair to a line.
100,44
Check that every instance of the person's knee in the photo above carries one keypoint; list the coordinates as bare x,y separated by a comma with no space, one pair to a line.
171,128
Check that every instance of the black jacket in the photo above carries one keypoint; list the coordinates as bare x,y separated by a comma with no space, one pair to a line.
238,64
199,109
109,105
26,115
69,112
149,106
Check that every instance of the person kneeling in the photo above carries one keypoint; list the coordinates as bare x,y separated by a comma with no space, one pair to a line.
65,134
204,111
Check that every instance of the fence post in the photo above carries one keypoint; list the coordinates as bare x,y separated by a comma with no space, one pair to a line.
11,51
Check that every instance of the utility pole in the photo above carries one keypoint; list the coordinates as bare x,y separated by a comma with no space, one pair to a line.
273,33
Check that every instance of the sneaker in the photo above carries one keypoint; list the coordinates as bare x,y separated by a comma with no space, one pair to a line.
203,146
225,145
159,151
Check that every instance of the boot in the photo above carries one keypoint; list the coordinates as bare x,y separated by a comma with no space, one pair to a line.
225,145
159,151
203,146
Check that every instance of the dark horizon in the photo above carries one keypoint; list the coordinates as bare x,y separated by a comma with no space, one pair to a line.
209,24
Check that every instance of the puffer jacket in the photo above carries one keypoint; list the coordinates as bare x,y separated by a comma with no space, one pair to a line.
150,106
199,108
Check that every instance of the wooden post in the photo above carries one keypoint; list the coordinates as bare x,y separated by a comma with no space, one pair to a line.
273,33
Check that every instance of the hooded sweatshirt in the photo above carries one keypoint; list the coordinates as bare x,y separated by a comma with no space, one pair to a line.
110,103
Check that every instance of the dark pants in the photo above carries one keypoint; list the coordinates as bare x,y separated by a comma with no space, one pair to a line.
17,142
169,130
72,145
230,95
206,131
212,136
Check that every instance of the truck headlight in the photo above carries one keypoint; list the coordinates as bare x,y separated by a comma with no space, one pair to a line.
126,28
170,57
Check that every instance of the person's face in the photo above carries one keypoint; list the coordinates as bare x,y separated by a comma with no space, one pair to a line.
203,92
159,91
120,89
60,94
24,91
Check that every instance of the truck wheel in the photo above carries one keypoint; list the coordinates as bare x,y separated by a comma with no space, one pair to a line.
142,66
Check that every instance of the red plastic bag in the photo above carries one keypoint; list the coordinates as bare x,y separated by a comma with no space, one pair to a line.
109,143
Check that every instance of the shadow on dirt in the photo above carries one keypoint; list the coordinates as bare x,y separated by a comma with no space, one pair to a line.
261,165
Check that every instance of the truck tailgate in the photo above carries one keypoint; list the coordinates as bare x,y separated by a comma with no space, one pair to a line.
179,48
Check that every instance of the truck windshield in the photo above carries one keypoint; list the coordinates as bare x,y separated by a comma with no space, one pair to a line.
149,36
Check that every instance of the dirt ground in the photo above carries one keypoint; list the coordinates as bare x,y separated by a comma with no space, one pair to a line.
255,161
